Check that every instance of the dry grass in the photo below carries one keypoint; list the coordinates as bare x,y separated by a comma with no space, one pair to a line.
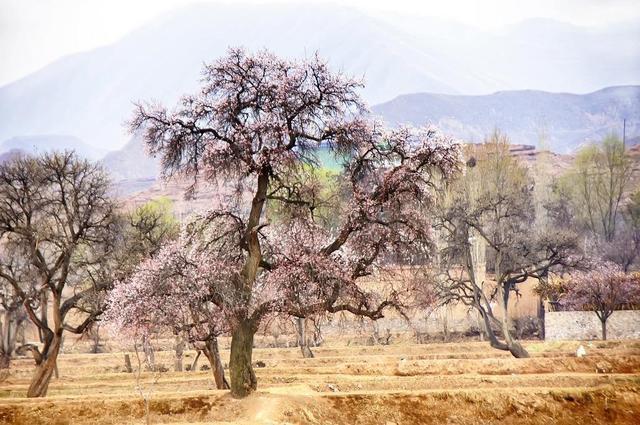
465,383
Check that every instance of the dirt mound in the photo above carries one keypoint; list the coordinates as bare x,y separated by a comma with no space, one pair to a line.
462,383
568,406
473,407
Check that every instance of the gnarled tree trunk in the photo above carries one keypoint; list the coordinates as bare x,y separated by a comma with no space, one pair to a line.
515,348
212,353
45,368
493,340
509,344
243,378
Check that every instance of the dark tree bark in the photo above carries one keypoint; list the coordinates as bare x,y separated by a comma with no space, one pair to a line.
212,352
243,378
541,318
45,369
194,365
127,363
603,314
491,336
515,348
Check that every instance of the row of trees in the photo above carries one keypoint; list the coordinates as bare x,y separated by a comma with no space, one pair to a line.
575,233
255,126
596,199
293,240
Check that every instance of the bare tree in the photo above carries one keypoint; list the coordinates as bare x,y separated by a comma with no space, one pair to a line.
597,184
147,228
212,352
492,202
624,250
58,216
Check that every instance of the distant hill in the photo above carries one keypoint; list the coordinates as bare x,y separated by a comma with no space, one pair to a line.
563,120
9,155
89,95
51,142
131,169
632,141
131,162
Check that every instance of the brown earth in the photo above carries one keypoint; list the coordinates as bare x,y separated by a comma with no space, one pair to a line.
456,383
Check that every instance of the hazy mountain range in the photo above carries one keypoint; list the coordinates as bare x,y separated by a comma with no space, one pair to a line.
89,95
49,142
558,121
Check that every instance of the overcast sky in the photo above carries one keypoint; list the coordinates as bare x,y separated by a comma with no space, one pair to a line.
34,33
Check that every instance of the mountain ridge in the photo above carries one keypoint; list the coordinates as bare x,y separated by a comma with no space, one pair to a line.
90,94
38,143
131,163
564,121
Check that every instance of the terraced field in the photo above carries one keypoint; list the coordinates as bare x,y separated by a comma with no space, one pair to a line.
461,383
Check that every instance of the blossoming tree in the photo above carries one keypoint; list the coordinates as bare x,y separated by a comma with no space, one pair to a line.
603,290
179,290
257,125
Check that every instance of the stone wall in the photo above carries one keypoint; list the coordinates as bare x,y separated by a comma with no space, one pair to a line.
580,325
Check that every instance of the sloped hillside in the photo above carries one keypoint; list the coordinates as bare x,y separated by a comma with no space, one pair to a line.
562,120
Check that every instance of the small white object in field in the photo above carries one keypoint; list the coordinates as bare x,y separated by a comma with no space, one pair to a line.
581,352
401,367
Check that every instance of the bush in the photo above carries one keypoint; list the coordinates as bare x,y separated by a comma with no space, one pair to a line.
527,327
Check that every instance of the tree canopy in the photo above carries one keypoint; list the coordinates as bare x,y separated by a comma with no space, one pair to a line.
256,125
